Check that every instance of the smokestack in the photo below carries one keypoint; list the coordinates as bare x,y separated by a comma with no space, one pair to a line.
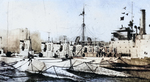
142,29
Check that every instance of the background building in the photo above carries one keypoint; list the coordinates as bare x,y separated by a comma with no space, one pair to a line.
12,41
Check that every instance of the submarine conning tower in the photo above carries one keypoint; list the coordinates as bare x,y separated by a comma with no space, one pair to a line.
143,18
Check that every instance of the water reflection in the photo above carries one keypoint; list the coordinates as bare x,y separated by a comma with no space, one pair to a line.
8,74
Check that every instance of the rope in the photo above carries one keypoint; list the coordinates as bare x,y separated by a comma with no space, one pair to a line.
21,65
93,71
55,71
10,65
43,67
51,67
78,64
72,65
30,62
79,51
56,66
37,68
15,63
89,68
48,68
84,62
32,66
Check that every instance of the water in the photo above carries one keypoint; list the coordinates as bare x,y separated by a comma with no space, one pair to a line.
8,74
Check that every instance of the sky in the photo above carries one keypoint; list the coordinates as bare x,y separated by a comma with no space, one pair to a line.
61,17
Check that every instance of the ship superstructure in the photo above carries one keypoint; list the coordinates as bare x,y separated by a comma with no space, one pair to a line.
136,45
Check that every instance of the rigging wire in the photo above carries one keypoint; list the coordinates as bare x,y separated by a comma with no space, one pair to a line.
44,7
89,31
76,33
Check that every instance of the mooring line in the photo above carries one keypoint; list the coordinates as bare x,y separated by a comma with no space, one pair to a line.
21,65
48,68
89,67
72,65
43,66
55,71
79,64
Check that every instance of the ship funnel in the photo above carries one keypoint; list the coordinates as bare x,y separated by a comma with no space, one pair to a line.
142,29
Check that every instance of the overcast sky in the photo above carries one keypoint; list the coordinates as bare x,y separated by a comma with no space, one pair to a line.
61,17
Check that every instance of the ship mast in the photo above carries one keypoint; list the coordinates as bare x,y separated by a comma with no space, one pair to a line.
132,15
48,37
83,28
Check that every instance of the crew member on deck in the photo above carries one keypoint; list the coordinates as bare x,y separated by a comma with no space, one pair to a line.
103,52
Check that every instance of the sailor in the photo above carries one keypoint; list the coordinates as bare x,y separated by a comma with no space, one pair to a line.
103,52
30,56
112,52
23,46
100,52
106,50
97,50
61,48
57,53
73,50
45,48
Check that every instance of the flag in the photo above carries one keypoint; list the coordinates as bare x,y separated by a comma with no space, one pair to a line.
124,8
121,18
81,14
123,13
